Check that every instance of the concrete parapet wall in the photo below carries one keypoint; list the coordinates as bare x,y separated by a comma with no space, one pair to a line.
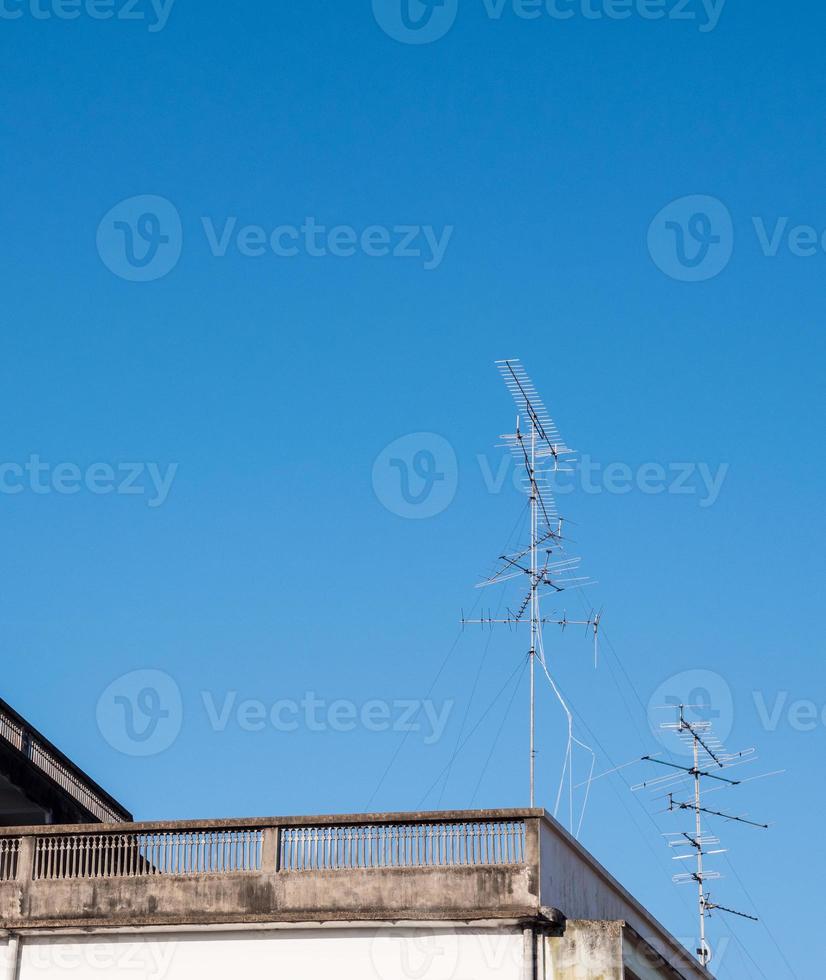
312,896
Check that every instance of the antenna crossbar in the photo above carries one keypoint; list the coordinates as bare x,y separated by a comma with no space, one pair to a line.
686,725
678,805
692,770
712,906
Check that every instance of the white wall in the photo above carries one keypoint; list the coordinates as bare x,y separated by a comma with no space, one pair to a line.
381,953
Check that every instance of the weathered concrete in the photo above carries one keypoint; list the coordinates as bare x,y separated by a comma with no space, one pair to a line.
315,820
310,896
586,951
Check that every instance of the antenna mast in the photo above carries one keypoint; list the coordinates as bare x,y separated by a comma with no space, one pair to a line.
541,446
709,760
535,626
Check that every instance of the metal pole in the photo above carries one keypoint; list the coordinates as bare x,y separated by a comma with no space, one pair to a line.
698,830
534,604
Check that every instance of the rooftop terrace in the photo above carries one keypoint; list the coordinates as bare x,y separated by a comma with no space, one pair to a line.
454,866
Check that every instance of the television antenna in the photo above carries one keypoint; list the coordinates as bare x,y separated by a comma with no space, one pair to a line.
710,761
541,451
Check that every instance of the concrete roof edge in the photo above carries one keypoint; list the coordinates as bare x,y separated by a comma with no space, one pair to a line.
253,823
65,760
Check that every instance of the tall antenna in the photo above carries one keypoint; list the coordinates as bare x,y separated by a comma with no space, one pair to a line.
710,759
540,450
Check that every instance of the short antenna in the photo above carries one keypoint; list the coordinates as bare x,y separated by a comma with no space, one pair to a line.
710,761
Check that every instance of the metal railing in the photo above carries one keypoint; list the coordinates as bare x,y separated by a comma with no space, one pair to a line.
403,845
9,851
45,760
272,847
11,731
135,855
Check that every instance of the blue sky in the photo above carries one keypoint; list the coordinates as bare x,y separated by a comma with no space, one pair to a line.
246,251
